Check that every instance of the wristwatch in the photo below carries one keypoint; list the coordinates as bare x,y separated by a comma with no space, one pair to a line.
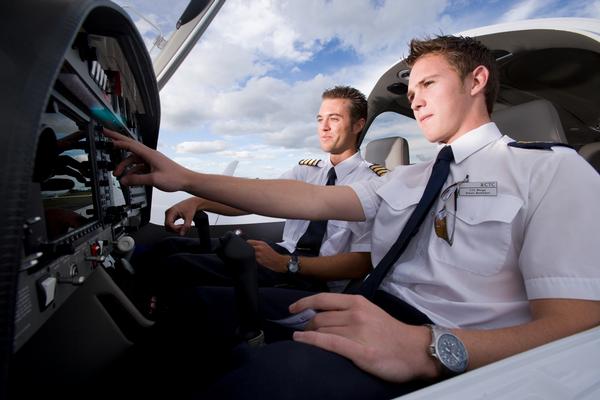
448,349
293,266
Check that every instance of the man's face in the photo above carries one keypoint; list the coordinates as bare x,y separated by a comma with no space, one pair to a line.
337,134
439,99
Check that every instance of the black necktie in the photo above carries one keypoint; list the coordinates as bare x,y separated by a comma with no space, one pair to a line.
310,242
439,174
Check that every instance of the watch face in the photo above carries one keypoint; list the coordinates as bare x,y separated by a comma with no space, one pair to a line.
452,353
292,266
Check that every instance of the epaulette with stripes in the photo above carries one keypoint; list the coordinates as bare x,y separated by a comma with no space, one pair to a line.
380,170
312,162
537,145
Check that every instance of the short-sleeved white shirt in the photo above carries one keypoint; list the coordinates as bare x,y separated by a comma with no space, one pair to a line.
339,238
535,238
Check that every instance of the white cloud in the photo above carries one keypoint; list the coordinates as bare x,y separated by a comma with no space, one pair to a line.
523,10
359,25
247,155
205,164
188,98
299,136
255,98
259,26
267,104
200,147
283,114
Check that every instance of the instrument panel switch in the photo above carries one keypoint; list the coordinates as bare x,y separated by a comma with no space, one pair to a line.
46,289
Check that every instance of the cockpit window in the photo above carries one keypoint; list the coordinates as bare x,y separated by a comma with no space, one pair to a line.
390,124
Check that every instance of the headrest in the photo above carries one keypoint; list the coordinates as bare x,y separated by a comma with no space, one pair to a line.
591,152
388,152
533,121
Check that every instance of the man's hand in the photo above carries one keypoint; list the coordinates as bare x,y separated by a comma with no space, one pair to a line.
146,166
185,210
353,327
266,256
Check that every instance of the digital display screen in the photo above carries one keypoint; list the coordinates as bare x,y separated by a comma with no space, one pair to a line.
64,173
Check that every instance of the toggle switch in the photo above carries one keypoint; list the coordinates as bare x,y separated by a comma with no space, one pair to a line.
46,289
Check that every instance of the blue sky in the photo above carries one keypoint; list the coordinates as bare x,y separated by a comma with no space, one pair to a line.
250,89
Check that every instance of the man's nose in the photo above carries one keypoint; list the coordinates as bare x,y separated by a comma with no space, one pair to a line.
417,102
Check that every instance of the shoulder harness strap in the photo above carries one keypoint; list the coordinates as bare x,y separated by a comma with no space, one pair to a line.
537,145
380,170
312,162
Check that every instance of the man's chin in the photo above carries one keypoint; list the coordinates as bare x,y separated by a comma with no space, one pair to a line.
430,136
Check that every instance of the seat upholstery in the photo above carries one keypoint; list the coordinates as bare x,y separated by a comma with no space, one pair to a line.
533,121
389,152
591,152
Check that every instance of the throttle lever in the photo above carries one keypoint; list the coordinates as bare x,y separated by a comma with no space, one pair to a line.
202,227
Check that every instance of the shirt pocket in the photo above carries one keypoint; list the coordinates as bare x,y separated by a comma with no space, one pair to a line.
399,198
396,206
482,236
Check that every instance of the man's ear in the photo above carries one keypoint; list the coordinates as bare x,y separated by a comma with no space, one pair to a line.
358,126
480,79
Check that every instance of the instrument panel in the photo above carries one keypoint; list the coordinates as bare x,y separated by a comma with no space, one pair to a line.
77,218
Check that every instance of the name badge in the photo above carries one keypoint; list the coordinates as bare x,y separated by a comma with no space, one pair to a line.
478,189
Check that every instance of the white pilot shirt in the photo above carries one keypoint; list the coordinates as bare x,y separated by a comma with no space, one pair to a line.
339,238
534,237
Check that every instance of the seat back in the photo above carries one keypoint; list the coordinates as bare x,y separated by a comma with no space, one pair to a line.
591,152
534,121
388,152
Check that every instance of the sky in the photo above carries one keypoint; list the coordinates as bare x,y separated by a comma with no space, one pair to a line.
250,89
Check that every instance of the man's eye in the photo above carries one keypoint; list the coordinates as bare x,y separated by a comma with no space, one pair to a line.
428,83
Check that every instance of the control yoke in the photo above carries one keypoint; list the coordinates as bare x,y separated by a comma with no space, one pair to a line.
239,256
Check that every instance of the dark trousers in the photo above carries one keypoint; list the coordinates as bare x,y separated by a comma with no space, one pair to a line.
178,262
291,370
283,369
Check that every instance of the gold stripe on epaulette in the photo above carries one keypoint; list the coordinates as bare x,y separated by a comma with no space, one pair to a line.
312,162
380,170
